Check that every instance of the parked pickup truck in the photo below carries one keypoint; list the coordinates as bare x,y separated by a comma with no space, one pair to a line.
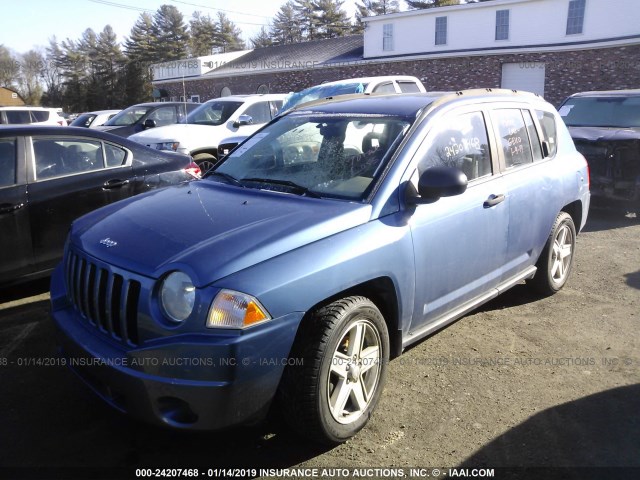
324,245
605,126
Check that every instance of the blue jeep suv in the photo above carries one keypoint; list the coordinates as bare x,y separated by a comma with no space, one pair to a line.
339,234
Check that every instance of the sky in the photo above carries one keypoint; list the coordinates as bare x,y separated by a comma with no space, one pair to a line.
30,24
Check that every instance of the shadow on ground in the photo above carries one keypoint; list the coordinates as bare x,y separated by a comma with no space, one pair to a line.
50,419
608,218
601,430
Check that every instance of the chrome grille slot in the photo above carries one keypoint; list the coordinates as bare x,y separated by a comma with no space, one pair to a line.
107,300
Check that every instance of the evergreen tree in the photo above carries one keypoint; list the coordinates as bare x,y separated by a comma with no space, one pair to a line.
419,5
108,64
204,32
228,35
305,17
169,33
285,28
73,67
139,50
262,39
52,76
371,8
330,19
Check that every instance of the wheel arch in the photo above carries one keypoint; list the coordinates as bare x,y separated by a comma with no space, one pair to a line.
382,292
208,151
575,210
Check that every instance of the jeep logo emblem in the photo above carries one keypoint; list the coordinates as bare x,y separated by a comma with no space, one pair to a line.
107,242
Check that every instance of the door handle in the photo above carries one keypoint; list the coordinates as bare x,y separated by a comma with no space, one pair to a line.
6,208
493,200
110,184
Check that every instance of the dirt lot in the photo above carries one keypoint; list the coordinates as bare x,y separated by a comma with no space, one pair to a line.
525,381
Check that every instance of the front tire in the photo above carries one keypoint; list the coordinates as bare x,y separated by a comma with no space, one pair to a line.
344,351
556,259
205,161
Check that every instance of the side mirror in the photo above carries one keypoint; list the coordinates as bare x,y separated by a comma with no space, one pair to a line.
437,182
148,123
243,120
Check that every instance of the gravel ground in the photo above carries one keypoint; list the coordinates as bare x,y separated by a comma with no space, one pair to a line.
523,382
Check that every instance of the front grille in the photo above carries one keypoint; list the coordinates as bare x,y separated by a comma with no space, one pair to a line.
106,300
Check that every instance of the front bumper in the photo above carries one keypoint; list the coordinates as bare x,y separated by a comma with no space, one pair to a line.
198,382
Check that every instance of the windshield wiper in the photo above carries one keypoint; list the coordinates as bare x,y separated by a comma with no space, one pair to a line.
232,180
295,188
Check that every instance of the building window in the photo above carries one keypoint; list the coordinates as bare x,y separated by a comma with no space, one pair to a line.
263,89
441,30
502,25
387,37
575,17
195,98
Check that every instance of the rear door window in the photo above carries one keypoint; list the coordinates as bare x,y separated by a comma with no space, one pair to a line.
513,136
7,162
69,156
385,88
17,117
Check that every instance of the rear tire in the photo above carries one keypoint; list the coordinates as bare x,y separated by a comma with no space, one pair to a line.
344,350
556,259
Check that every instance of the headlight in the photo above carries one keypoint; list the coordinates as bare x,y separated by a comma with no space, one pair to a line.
177,296
173,146
235,310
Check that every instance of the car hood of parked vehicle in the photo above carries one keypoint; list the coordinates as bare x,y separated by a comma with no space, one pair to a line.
604,134
187,133
208,229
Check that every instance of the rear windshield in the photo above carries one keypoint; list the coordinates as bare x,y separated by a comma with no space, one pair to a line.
613,111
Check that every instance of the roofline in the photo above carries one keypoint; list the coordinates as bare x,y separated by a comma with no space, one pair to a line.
473,52
443,10
609,93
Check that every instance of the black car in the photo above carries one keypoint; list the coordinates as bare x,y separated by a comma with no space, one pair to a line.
605,127
49,176
148,115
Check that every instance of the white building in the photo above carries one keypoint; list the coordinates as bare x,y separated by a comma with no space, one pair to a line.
503,27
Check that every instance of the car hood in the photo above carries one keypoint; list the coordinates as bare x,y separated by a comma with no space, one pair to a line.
604,134
208,229
191,134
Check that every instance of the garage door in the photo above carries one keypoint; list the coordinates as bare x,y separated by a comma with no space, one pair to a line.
528,76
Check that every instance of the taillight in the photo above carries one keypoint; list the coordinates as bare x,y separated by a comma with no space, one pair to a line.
588,173
194,170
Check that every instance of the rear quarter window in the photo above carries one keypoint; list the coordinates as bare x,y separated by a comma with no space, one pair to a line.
547,122
39,115
409,87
